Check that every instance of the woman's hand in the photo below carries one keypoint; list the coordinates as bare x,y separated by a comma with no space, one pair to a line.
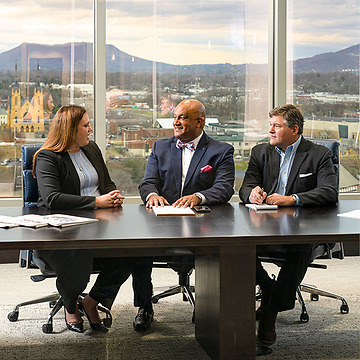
111,199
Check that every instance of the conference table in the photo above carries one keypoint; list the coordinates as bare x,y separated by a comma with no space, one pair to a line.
224,243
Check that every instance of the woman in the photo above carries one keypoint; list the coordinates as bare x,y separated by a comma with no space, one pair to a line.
71,174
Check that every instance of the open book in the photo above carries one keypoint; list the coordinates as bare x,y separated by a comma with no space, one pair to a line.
58,220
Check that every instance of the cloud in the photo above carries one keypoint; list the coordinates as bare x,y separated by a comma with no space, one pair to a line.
236,29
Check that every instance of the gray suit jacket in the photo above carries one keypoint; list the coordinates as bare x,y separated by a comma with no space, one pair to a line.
58,181
312,176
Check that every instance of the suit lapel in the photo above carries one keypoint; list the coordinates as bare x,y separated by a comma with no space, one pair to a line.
199,153
177,164
300,156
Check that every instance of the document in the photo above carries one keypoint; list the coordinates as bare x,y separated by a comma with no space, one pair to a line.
170,210
7,222
261,207
355,214
61,220
30,220
58,220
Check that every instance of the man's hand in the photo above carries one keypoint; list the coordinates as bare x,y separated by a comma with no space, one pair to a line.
188,200
280,200
257,195
156,200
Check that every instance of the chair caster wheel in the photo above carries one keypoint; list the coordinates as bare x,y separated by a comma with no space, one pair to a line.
13,316
304,317
344,309
314,297
47,328
154,300
107,322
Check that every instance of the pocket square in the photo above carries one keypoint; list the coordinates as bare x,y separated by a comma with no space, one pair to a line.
206,168
305,175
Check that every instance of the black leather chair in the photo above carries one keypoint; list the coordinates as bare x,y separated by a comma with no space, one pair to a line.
322,251
28,258
182,261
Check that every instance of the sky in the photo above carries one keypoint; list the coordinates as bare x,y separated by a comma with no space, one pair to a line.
184,31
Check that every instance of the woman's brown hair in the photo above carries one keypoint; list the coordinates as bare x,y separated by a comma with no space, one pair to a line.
62,130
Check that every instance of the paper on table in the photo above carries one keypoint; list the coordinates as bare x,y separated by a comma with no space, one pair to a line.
7,222
355,214
261,207
171,210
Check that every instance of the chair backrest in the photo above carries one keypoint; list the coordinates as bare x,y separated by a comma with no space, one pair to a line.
334,146
30,187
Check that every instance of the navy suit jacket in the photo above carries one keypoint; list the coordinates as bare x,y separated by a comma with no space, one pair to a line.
164,171
312,176
59,183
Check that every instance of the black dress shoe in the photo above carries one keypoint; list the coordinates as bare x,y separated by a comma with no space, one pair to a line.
143,319
95,326
77,327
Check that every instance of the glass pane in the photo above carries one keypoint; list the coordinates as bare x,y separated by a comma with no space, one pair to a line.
46,61
323,76
161,52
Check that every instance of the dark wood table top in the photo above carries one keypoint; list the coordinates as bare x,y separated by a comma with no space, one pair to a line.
133,226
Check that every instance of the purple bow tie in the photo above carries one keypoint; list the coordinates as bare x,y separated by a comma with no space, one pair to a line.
190,145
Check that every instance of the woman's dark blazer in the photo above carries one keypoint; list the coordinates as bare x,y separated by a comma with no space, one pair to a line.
59,183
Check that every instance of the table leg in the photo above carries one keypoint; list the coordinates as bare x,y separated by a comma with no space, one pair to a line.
225,304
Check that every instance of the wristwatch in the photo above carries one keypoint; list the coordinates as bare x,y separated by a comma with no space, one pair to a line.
295,199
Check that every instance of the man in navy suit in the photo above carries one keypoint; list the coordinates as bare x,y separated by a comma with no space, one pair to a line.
288,171
188,169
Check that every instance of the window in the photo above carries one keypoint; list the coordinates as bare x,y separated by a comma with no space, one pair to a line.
323,76
161,52
45,62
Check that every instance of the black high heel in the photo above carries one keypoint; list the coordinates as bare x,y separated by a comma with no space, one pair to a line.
76,327
95,326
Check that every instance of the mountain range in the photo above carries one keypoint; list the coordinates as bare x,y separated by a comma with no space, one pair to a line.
58,57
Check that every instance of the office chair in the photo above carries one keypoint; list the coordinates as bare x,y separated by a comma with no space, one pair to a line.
182,261
29,258
322,251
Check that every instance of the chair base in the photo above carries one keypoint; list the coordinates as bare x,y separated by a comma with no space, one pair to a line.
56,302
314,295
186,290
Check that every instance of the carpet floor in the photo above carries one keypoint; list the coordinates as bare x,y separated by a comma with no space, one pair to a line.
328,335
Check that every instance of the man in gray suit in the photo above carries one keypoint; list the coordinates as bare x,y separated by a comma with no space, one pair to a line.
288,171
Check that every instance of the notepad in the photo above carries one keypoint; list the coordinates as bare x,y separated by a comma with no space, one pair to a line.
262,206
171,210
354,214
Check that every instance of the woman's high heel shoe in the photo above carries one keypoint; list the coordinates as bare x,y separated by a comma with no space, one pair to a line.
95,326
76,327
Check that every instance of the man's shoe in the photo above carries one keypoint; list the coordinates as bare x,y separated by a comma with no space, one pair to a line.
266,331
143,319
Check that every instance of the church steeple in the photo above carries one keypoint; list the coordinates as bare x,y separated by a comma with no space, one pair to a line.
16,81
38,75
